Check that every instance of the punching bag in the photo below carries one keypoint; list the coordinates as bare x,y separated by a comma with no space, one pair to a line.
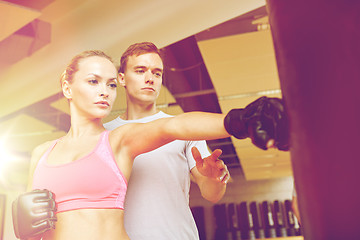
317,48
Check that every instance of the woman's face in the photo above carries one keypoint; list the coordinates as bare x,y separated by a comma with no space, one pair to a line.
93,88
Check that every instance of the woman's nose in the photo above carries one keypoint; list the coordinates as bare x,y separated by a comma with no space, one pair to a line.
103,91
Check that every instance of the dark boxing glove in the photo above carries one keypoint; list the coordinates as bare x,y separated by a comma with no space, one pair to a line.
34,213
261,120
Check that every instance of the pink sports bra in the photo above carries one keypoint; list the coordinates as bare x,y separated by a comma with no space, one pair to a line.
93,181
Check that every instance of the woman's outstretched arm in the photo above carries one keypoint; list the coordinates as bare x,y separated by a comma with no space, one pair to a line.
143,137
264,121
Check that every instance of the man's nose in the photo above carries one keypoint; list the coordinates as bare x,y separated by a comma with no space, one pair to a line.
149,78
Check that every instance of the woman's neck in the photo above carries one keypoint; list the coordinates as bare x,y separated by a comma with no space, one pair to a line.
85,128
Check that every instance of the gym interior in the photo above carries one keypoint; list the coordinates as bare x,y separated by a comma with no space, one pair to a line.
220,55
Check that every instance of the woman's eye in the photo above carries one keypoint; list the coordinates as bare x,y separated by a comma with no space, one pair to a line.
158,74
113,85
140,71
93,81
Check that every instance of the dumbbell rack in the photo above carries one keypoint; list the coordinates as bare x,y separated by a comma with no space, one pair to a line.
251,221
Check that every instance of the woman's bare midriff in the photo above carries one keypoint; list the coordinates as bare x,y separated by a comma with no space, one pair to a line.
89,224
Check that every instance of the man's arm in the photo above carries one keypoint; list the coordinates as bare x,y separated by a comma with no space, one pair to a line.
295,206
210,174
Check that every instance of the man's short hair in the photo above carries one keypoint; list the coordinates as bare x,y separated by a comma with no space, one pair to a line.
137,49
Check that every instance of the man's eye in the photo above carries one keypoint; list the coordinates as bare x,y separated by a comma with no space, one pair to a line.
140,71
158,74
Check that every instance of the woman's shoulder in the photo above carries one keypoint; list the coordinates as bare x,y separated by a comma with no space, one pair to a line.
118,132
41,149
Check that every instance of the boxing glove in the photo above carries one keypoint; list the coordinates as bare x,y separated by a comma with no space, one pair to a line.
34,213
261,120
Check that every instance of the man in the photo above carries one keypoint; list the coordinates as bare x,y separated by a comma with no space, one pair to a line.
157,200
295,205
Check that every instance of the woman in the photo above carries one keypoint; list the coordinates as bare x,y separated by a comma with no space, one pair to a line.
89,167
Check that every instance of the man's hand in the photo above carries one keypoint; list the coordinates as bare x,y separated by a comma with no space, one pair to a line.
211,166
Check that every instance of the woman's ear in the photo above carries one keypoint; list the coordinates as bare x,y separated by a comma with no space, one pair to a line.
122,79
66,89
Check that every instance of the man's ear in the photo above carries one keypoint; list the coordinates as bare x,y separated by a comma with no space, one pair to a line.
66,89
122,79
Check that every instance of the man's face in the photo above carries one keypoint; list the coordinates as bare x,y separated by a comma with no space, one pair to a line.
142,78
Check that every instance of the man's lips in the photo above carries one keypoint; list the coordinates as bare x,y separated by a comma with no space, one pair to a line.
148,89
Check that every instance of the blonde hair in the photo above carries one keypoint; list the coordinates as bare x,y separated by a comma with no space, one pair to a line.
73,66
